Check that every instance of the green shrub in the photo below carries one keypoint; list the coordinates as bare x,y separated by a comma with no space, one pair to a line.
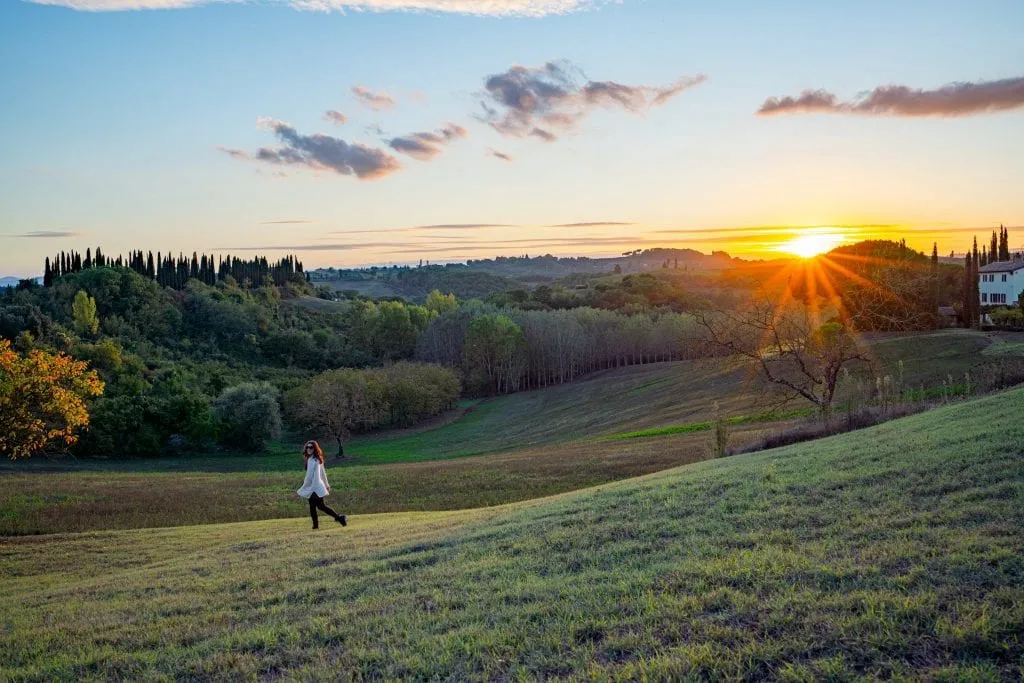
248,416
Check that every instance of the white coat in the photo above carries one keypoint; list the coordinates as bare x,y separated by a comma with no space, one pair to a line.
315,481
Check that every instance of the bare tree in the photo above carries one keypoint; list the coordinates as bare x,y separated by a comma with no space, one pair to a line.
789,346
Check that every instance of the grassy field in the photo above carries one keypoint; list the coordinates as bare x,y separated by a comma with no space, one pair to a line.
616,424
35,502
893,552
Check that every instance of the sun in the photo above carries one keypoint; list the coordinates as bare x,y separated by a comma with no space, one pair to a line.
811,244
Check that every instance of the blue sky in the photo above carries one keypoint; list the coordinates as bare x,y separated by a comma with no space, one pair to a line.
115,125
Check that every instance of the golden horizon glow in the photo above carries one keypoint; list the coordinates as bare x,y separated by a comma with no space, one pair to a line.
812,243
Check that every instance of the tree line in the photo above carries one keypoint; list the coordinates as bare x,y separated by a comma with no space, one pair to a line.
504,350
998,250
175,272
166,355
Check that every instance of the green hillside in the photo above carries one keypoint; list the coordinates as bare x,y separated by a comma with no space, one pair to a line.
624,399
896,551
662,395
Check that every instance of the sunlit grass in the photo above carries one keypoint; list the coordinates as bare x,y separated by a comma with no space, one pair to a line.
894,552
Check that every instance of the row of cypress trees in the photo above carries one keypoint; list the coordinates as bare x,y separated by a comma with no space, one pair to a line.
974,260
174,272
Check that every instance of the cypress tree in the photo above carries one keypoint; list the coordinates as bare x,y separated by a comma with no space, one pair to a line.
975,287
935,284
966,300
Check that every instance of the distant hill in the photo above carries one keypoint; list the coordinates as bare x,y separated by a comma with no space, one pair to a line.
482,277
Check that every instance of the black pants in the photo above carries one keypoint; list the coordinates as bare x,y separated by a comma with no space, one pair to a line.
315,502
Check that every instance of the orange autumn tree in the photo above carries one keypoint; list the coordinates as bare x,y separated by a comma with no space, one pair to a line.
42,399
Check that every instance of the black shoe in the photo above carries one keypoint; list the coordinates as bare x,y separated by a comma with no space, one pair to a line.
341,520
316,527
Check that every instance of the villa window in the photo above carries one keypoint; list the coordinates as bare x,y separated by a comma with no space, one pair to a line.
984,297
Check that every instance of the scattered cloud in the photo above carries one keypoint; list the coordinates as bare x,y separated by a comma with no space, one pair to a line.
49,234
955,99
422,228
546,101
984,229
335,116
234,153
783,228
809,102
461,226
288,222
377,101
567,241
491,152
320,152
541,243
426,146
323,247
591,224
494,8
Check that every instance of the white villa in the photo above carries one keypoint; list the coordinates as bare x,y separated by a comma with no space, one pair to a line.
1001,282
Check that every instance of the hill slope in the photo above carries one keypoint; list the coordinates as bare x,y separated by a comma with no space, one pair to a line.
894,551
654,396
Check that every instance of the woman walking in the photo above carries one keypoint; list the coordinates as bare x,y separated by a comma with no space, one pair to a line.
315,487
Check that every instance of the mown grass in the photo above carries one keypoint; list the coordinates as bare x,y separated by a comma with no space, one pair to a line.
706,426
636,397
664,396
893,552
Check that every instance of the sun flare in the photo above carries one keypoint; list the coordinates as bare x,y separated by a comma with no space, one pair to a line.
811,244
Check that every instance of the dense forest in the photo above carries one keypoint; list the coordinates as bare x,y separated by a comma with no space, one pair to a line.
167,355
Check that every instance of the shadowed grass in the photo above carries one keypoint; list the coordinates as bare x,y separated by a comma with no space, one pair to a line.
705,426
39,502
893,552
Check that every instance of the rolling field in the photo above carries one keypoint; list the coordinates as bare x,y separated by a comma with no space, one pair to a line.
616,424
41,502
665,396
892,552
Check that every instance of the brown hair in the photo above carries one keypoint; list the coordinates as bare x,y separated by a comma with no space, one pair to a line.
317,451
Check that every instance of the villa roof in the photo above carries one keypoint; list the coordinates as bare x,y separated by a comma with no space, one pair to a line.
1003,266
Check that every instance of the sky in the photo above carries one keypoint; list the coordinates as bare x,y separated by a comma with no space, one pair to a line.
370,132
